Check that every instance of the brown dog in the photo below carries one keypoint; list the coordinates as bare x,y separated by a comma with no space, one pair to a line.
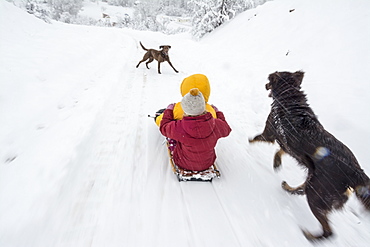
160,56
332,167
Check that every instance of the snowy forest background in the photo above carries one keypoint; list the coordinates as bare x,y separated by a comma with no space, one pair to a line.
196,16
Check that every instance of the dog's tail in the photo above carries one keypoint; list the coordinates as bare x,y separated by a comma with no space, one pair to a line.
363,192
143,46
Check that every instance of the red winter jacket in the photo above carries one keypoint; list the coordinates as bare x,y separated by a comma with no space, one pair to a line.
196,138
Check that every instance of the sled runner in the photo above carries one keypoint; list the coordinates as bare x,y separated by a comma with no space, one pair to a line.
187,175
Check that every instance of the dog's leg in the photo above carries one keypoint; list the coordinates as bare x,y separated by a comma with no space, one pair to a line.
299,190
327,232
268,134
159,67
139,63
320,210
322,200
172,66
146,56
150,60
277,159
261,138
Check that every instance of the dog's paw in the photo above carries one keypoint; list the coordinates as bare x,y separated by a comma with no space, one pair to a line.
300,190
277,167
285,185
313,238
260,138
277,163
308,235
255,139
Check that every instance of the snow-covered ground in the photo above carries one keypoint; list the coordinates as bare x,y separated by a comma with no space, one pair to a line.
81,164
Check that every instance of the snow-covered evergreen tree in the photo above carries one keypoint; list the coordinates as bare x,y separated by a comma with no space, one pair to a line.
206,15
34,8
64,9
123,3
210,14
145,15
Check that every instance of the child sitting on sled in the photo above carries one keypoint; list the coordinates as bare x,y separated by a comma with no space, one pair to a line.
199,81
196,134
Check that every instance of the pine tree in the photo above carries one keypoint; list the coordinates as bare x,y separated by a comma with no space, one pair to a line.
208,15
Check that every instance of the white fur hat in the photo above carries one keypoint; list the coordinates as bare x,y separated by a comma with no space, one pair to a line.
193,103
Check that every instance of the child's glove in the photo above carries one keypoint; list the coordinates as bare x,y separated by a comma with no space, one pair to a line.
215,108
159,112
170,106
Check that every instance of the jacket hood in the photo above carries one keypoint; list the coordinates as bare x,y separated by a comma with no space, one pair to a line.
200,126
199,81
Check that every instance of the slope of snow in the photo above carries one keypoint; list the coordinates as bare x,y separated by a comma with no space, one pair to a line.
82,165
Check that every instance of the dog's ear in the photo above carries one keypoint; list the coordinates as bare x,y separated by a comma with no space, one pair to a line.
162,46
273,76
298,77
